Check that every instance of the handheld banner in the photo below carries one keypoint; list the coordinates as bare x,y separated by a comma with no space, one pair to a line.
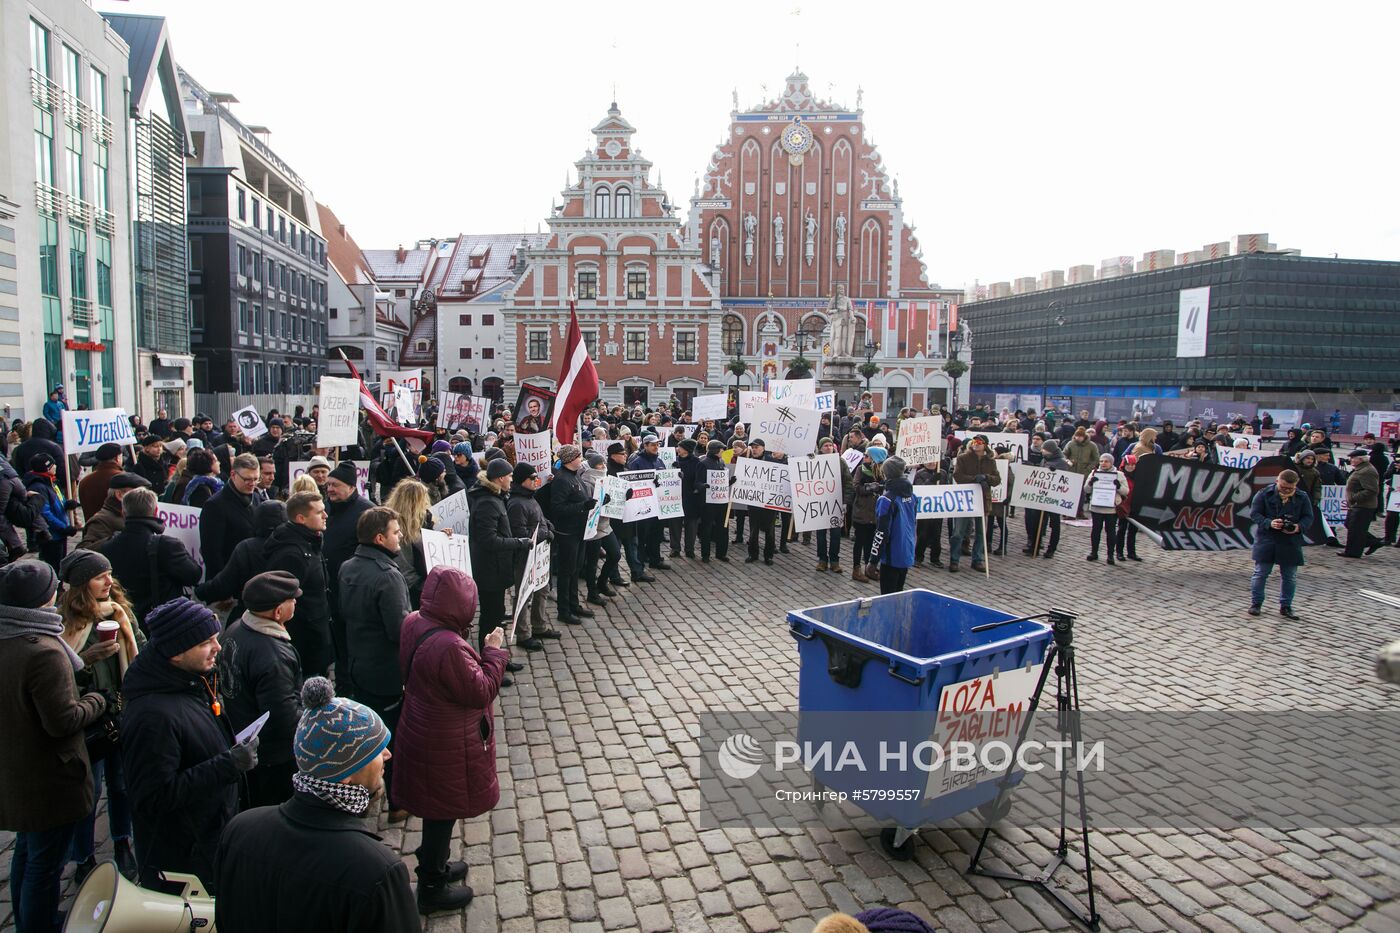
960,500
297,468
717,487
443,550
747,400
534,449
799,393
251,423
641,499
1047,490
89,430
616,491
339,424
668,495
452,513
920,440
1017,442
785,429
816,492
709,407
762,484
182,523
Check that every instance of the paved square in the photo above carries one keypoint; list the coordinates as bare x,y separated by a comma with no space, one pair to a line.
598,825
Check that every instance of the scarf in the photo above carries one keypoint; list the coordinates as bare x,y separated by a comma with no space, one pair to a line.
16,621
265,626
348,798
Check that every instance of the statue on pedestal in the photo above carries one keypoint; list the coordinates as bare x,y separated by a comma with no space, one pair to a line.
750,231
842,314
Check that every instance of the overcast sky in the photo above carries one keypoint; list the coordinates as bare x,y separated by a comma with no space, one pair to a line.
1025,137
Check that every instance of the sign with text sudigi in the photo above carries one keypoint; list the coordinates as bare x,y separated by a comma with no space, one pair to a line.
89,430
816,492
1047,490
785,429
1192,318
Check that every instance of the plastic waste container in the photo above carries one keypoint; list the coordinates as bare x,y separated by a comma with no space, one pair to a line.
907,668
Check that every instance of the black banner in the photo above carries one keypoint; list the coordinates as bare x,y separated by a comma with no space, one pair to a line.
1198,506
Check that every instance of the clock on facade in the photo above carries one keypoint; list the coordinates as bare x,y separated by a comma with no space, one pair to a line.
796,141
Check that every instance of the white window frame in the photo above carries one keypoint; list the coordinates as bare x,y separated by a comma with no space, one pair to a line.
602,201
579,271
646,345
622,202
627,272
675,344
530,334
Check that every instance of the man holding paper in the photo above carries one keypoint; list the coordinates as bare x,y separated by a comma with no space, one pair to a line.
260,673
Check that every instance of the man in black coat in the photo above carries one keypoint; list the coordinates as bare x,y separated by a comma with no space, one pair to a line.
259,673
494,548
570,504
151,463
312,863
296,547
182,766
151,566
692,494
227,518
247,560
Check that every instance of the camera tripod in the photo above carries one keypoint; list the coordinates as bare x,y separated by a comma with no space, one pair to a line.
1061,653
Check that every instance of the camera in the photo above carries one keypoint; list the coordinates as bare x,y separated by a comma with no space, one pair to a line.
1289,525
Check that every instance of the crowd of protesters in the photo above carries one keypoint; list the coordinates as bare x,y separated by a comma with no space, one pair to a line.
132,664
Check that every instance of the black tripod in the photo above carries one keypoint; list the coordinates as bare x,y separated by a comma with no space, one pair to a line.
1067,713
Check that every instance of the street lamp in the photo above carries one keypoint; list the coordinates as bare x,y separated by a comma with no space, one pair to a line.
737,366
955,341
1058,320
801,335
871,348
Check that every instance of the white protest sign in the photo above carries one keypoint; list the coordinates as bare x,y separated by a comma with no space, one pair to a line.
534,449
296,468
1334,504
456,410
405,407
410,378
985,709
443,550
853,458
920,440
716,487
1103,490
617,497
667,455
339,423
1393,503
800,393
1047,490
998,492
816,492
785,429
1238,457
747,400
89,430
641,499
182,523
539,566
709,407
525,588
590,526
452,513
826,401
762,484
250,422
961,500
688,430
668,495
1018,442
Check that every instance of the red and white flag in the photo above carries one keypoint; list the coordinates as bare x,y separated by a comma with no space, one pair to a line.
578,383
382,424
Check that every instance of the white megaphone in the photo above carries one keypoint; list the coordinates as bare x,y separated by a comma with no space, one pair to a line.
108,903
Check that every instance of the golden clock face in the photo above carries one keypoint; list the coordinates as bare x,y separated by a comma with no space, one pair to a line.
797,138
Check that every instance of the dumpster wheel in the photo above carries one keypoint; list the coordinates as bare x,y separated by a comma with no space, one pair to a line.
898,843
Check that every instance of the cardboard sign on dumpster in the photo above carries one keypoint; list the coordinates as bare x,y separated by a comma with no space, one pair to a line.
990,708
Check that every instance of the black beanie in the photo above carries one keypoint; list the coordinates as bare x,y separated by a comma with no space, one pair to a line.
431,470
27,584
179,625
688,444
522,472
79,567
345,472
498,468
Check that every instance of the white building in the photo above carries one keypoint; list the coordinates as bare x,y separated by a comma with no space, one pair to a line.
361,319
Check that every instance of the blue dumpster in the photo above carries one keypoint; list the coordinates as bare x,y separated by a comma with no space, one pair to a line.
907,658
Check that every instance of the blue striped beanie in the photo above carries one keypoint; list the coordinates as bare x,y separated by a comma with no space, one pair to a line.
336,737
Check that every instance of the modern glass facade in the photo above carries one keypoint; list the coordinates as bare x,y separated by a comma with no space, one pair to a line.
1276,322
162,282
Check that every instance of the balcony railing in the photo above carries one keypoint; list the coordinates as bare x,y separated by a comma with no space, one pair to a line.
48,199
84,313
45,93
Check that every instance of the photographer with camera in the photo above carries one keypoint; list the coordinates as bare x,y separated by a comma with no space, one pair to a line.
1280,518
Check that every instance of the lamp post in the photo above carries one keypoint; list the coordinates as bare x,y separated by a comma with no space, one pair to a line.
1051,317
955,341
736,364
871,348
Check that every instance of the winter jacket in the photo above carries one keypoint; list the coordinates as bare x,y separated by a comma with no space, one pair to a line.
494,546
526,521
895,524
227,518
1310,482
246,561
261,673
45,781
569,503
968,467
865,489
199,490
298,550
180,775
445,745
19,511
641,460
130,553
92,489
693,483
52,504
374,601
103,526
1277,547
41,441
340,540
1105,476
1125,503
1363,487
1082,455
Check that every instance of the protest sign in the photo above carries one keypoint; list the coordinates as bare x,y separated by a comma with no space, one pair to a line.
717,487
412,379
1374,421
1393,503
999,492
526,587
250,422
339,423
959,500
456,410
667,455
534,449
1284,418
452,513
1194,506
1334,504
89,430
785,429
816,492
1016,442
405,405
762,484
826,401
1057,491
444,550
641,498
920,440
296,468
668,495
747,400
1239,458
590,526
709,407
182,523
799,393
617,497
688,430
1103,490
852,458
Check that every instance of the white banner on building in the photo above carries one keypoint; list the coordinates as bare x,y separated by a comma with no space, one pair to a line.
534,449
339,423
182,523
1192,320
446,550
89,430
785,429
709,407
816,492
250,422
920,440
762,484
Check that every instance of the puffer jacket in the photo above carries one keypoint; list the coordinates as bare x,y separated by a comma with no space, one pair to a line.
445,744
1082,455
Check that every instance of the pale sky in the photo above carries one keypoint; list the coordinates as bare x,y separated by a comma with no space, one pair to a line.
1025,136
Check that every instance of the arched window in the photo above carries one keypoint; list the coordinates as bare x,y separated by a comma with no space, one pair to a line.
382,355
813,325
731,334
860,335
622,202
602,203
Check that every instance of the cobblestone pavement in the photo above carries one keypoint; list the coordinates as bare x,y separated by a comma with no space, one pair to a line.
598,825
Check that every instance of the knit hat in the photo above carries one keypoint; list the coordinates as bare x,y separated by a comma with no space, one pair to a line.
336,737
688,444
493,453
81,566
522,472
1306,453
27,584
879,441
146,440
1050,448
714,448
440,445
179,625
877,454
893,468
595,459
318,461
892,920
109,452
616,447
345,472
568,453
431,470
194,443
41,463
176,447
497,468
270,590
129,481
462,450
274,423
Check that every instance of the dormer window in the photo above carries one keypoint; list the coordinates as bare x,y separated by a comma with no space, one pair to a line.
622,202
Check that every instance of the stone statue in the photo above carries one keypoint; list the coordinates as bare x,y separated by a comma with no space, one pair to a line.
778,240
810,251
843,325
714,249
840,239
841,226
750,230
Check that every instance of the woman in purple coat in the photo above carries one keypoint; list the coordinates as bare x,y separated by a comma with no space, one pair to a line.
445,745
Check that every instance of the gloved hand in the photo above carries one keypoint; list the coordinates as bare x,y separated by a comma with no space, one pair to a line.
245,754
70,505
656,481
606,498
982,478
70,531
629,493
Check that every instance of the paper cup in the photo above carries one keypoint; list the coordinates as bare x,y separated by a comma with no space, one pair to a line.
107,630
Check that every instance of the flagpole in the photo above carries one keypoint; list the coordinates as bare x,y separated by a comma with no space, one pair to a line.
412,470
